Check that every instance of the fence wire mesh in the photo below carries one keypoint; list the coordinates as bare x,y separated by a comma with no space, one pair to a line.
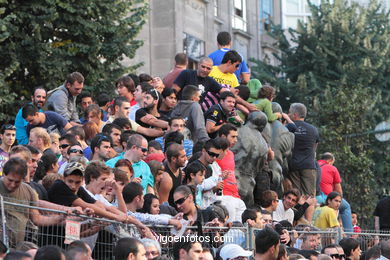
24,221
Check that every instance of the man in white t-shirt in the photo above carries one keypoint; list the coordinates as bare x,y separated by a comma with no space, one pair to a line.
284,210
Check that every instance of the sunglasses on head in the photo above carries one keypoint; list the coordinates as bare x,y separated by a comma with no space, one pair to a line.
181,201
338,256
216,155
154,93
9,127
63,146
102,138
76,151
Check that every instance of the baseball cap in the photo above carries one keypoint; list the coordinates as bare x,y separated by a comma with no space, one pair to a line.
232,251
74,168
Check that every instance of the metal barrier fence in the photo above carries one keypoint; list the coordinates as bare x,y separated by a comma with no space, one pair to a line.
53,227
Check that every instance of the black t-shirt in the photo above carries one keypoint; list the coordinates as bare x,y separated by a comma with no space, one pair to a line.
190,77
61,194
165,115
217,115
140,113
42,193
382,211
176,182
303,154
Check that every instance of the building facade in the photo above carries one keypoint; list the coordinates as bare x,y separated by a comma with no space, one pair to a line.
191,26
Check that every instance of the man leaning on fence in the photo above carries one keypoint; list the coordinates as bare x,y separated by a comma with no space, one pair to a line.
14,190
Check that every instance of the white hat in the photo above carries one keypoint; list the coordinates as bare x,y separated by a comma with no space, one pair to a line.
232,251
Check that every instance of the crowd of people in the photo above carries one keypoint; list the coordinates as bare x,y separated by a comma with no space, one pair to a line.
160,152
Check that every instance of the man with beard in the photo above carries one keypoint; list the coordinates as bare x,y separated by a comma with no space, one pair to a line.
38,99
85,100
101,148
172,176
148,116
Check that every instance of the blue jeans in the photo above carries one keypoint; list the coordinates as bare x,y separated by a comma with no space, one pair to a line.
346,215
344,211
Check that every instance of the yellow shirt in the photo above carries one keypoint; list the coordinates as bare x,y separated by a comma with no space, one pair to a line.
325,217
226,80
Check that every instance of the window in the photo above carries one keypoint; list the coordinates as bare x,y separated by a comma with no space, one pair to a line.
266,11
239,15
194,48
294,10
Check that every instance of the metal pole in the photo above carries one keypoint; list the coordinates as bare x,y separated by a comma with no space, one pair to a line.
339,234
247,235
3,220
250,233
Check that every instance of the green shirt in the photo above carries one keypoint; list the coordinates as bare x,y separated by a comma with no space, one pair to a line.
265,105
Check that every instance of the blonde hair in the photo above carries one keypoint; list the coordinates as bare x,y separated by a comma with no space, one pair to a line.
43,134
54,137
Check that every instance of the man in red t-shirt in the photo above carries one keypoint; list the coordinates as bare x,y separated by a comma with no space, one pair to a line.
330,176
331,181
181,63
230,198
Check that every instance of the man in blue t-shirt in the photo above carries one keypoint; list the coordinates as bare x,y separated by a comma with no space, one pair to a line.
38,99
224,44
49,120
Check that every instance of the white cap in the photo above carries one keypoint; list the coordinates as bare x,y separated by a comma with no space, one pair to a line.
233,251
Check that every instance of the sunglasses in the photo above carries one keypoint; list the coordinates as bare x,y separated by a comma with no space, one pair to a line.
181,201
338,256
143,149
63,146
76,151
216,155
238,65
205,67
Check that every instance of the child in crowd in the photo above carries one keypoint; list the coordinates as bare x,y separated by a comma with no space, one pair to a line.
264,103
151,204
356,228
195,175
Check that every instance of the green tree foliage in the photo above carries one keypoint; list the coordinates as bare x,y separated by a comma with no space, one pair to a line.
338,65
43,41
8,66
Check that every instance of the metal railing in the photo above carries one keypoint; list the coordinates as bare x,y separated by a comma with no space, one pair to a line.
18,225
